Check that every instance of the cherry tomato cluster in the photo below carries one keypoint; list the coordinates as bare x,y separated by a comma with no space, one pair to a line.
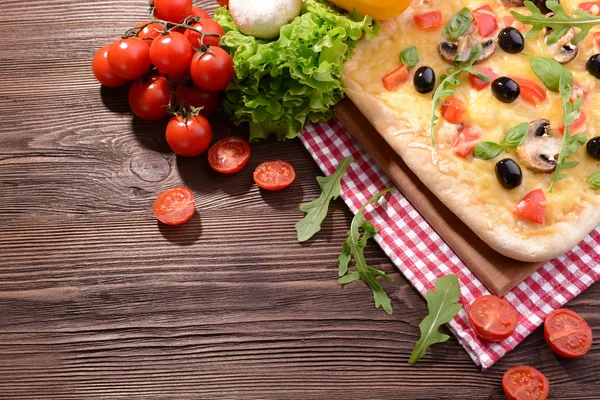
568,335
177,68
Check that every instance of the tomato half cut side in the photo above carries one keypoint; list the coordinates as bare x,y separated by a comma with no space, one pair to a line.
525,383
229,155
567,333
274,175
492,318
174,206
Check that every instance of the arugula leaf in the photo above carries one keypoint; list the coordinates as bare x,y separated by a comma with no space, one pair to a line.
512,139
548,70
570,144
487,150
354,247
409,56
450,79
443,306
594,181
458,25
560,22
316,210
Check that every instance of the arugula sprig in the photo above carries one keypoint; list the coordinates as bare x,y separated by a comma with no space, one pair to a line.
449,82
570,144
354,247
512,139
316,210
443,306
560,22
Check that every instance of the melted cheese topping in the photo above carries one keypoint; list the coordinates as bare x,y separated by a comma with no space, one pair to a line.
569,196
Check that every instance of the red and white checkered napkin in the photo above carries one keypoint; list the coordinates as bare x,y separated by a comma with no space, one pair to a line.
422,256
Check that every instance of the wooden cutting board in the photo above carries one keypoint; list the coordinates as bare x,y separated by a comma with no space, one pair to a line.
498,273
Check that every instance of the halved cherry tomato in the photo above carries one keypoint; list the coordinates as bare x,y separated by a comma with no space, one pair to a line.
172,10
466,141
193,96
200,13
567,333
171,54
274,175
532,207
149,98
525,383
493,319
150,32
395,79
208,26
174,206
229,155
429,21
103,72
531,92
485,20
189,137
477,83
577,127
453,110
212,71
129,58
593,7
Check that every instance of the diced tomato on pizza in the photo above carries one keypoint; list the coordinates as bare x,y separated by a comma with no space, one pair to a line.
477,83
593,7
466,141
429,21
453,110
395,79
531,92
532,207
485,20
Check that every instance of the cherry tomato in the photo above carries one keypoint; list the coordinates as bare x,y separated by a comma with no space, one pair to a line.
200,13
171,53
274,175
129,58
467,140
395,79
525,383
208,26
477,83
229,155
212,71
223,2
532,207
429,21
149,98
567,333
193,96
172,10
485,20
150,32
174,206
453,110
531,92
189,137
103,72
492,318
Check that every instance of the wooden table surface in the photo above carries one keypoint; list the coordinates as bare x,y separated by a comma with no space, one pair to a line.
99,301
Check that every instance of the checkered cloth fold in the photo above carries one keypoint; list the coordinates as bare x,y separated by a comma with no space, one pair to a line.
422,256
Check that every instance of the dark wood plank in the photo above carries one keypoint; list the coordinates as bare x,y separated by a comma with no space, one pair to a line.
99,301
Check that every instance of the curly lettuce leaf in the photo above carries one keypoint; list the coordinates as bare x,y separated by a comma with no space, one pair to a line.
281,85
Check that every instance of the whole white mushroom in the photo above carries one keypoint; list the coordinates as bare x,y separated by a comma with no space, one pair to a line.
263,18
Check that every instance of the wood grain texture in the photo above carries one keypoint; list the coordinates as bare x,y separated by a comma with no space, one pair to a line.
97,301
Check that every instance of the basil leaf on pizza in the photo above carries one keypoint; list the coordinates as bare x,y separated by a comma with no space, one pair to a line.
548,70
409,56
458,25
487,150
594,181
515,136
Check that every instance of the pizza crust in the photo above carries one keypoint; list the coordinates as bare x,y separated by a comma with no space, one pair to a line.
409,144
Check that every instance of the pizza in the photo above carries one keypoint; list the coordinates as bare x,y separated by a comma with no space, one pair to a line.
502,127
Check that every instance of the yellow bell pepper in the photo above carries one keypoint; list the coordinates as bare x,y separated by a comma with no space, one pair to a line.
378,9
